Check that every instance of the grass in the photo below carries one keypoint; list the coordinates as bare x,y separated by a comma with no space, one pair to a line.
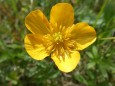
97,65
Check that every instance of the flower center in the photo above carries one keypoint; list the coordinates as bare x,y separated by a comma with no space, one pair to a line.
59,44
57,37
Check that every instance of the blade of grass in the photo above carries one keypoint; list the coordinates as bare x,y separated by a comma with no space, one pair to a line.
100,12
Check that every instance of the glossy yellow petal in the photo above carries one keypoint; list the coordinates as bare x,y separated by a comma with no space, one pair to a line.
37,23
34,47
62,14
69,63
83,34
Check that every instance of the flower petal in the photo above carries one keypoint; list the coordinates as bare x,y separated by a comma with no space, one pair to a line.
83,34
69,63
37,23
34,47
62,14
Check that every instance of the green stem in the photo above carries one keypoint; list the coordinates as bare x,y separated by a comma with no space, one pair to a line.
108,38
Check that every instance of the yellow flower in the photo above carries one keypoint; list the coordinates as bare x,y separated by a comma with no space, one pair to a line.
59,37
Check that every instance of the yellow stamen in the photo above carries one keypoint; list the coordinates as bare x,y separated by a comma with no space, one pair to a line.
57,37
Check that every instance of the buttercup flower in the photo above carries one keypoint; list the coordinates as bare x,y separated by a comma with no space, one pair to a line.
58,37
